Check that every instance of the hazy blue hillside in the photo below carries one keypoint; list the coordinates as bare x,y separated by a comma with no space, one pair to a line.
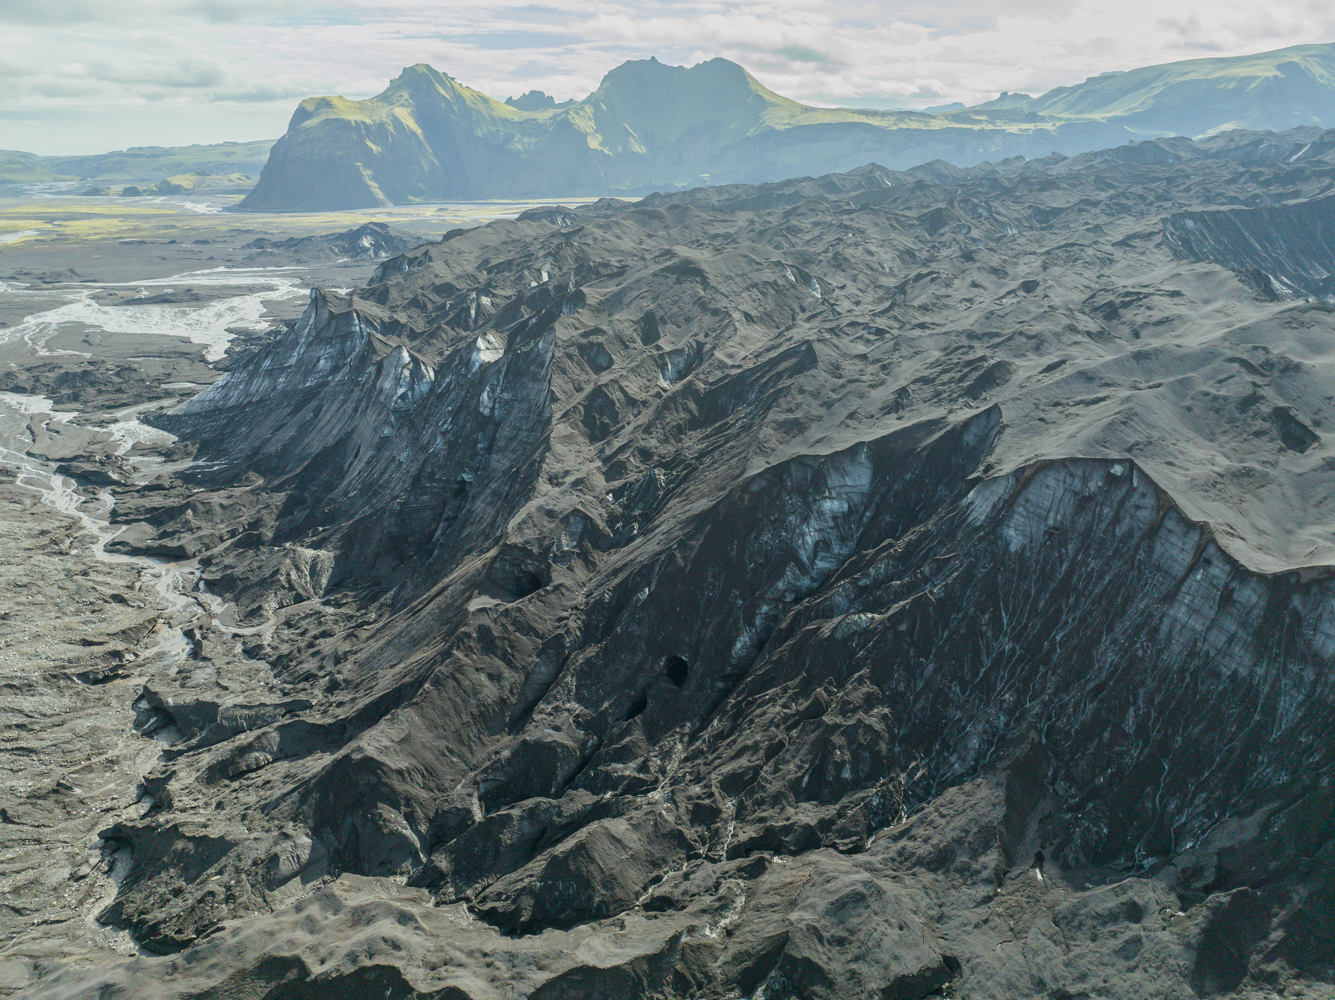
140,163
1273,90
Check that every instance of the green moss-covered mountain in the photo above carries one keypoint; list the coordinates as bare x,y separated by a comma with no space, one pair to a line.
649,126
1272,90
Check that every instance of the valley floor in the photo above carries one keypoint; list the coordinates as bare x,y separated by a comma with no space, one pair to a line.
70,758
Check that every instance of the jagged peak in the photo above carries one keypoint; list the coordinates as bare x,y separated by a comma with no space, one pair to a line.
657,99
418,74
423,71
714,71
537,100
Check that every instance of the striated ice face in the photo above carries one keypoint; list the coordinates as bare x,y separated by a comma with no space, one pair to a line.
489,349
986,497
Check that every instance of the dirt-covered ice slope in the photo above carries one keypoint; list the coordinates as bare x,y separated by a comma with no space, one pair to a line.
881,585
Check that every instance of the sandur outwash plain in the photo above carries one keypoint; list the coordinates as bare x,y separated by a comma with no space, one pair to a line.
882,584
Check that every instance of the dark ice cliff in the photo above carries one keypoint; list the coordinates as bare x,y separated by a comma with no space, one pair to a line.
883,585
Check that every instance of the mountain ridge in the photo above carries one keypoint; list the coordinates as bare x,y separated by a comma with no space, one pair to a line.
1310,64
649,126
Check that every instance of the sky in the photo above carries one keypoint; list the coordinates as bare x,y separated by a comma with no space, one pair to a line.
87,76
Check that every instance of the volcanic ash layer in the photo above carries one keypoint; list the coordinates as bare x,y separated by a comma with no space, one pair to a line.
884,585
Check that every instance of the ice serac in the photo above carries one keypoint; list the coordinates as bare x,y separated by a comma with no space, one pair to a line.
841,588
650,127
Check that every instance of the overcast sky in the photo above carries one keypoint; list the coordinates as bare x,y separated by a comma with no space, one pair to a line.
84,76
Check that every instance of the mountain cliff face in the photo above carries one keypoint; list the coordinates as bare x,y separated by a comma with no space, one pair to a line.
654,127
861,587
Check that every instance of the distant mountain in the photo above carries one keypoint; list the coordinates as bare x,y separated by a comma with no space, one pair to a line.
24,168
650,126
536,100
1273,90
647,127
140,163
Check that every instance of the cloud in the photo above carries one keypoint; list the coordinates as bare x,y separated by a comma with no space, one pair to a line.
800,53
65,13
189,73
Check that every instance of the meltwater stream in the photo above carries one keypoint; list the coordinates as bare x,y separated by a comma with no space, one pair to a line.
208,323
175,583
170,582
